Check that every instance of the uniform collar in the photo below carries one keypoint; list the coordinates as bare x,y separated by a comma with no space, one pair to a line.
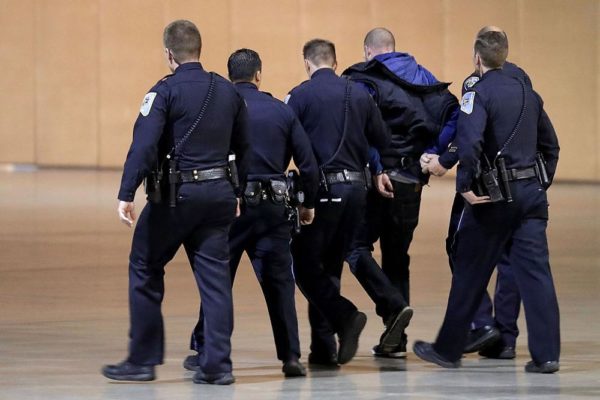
323,72
188,66
246,85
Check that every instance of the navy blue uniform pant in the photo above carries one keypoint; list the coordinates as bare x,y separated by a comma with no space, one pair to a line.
201,222
484,233
504,312
263,231
319,251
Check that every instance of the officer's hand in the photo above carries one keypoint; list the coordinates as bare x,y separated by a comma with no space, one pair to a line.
473,199
126,211
434,166
384,186
424,161
238,210
306,215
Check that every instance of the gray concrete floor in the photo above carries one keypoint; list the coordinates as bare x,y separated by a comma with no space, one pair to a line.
63,297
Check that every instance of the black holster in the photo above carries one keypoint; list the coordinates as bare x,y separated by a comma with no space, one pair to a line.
153,185
253,193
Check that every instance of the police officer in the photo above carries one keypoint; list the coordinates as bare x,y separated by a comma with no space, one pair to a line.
418,109
500,123
341,121
263,230
189,121
494,328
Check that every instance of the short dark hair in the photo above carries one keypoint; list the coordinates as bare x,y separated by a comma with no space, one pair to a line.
243,64
492,47
319,51
182,37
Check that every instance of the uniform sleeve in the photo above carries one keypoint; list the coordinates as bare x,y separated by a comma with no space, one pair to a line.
547,143
240,144
294,103
469,140
147,131
306,162
377,131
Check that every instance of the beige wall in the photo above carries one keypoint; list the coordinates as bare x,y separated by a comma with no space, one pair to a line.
75,71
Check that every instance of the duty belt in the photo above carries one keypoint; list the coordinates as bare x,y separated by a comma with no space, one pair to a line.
344,176
199,175
516,174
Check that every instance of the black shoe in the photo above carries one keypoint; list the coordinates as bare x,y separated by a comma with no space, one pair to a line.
394,328
322,360
397,352
548,367
481,338
293,368
498,352
126,371
192,362
348,337
225,378
425,352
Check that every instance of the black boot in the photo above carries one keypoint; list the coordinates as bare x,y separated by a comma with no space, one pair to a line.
126,371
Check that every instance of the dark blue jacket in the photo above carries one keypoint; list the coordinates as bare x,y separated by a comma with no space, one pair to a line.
489,113
414,104
319,104
168,111
275,134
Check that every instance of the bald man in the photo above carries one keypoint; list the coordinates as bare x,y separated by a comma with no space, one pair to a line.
420,111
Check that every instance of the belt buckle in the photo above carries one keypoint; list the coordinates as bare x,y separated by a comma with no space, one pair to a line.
346,175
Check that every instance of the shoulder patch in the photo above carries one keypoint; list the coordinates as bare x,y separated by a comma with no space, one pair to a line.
466,103
147,103
287,98
470,82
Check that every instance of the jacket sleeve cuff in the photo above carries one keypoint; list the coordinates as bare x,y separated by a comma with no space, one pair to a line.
126,195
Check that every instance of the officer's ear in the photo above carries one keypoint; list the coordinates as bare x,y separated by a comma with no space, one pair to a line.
258,77
334,66
307,67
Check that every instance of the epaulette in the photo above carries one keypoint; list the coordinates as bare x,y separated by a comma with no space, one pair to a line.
470,82
164,78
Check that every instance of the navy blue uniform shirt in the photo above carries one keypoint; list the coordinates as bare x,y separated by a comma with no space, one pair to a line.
275,134
489,112
168,111
319,105
449,158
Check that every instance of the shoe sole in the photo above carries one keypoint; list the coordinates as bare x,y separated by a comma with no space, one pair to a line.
393,335
483,342
220,381
425,357
396,354
348,348
131,378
